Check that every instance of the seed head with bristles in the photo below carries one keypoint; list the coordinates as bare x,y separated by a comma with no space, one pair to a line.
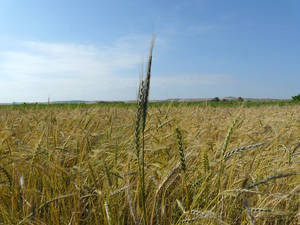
242,149
180,149
263,181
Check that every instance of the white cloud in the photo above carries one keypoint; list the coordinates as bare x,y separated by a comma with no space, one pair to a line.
70,71
67,71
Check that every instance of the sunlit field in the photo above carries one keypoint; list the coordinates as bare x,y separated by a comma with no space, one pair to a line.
149,112
202,165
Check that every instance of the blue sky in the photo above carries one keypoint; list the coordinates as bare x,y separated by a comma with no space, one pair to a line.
94,50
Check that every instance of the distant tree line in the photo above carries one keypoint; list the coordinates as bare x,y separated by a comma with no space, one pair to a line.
217,99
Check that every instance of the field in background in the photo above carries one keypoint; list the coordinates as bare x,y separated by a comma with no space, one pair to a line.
153,104
76,164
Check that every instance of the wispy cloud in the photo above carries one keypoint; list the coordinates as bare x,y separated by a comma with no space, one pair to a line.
37,70
68,71
60,59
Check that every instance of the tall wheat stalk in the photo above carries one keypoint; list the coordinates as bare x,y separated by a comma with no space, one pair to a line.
142,103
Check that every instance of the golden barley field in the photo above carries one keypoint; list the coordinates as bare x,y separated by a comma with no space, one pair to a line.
202,165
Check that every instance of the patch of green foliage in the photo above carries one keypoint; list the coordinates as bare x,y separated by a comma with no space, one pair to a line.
296,98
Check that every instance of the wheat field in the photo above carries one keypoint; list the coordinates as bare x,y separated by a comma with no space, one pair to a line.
202,165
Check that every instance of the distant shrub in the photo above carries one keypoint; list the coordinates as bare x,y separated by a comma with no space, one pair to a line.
296,98
216,99
240,99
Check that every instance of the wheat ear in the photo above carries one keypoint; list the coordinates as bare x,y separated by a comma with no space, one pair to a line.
263,181
242,149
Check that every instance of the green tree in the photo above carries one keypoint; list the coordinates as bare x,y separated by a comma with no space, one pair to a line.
296,98
240,99
216,99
